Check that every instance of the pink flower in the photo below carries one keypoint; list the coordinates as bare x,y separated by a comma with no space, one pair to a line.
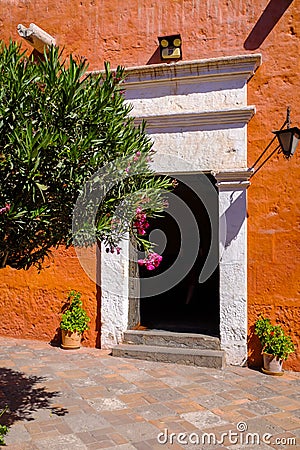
151,262
5,209
140,222
137,155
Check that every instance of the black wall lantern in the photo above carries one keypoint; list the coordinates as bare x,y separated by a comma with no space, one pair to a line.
170,47
288,139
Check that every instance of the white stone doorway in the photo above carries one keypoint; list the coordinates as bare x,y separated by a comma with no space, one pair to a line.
197,115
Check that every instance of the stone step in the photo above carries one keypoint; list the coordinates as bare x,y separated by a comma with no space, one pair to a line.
188,356
171,339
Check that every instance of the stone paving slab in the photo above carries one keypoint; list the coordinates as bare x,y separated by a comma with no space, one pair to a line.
86,399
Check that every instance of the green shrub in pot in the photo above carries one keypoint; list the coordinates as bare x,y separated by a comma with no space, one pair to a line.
74,321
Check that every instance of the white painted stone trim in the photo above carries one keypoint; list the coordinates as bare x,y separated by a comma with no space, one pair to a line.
191,119
233,179
199,70
241,66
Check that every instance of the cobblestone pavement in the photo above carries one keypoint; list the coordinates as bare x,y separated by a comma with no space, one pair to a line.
86,399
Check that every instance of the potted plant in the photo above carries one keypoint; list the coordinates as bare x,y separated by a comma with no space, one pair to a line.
276,345
74,322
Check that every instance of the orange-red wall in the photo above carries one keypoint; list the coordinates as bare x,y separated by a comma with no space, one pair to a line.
31,302
126,33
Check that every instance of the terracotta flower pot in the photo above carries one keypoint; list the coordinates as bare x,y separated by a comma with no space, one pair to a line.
272,364
70,339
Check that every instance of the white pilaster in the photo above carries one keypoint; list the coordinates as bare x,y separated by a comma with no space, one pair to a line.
232,187
114,295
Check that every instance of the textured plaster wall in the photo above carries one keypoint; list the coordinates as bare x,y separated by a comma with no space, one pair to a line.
273,197
31,302
126,33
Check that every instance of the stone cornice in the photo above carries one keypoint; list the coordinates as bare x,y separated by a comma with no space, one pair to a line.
198,119
193,71
242,66
233,179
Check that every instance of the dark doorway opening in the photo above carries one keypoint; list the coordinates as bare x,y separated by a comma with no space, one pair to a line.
188,306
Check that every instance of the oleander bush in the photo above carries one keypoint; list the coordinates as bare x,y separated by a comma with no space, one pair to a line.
59,125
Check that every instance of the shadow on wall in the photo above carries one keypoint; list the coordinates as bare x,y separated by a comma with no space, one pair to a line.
155,58
56,340
235,216
20,394
255,349
265,24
